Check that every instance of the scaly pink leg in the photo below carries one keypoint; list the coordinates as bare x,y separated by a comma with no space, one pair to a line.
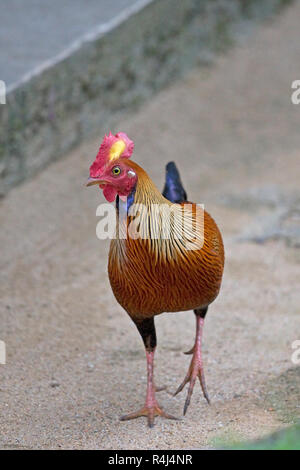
151,408
196,366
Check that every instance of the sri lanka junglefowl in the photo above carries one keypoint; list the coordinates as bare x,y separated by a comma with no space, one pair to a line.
167,255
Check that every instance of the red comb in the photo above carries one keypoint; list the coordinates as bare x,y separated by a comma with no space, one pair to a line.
103,156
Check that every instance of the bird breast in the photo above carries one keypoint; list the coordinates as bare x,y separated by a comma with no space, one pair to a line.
165,270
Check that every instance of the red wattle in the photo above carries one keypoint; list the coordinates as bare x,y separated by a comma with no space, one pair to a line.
110,193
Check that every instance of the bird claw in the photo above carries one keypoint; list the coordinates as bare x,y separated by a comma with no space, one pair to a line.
195,370
191,351
150,412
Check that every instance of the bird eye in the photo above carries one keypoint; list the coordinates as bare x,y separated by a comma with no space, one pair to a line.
116,170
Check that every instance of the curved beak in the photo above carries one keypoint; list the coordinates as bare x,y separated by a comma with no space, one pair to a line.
92,181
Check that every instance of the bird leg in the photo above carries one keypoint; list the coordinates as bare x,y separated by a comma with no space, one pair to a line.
151,408
196,366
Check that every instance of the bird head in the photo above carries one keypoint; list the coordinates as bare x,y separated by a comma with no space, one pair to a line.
110,169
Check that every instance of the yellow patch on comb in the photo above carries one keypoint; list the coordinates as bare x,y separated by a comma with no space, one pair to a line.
117,149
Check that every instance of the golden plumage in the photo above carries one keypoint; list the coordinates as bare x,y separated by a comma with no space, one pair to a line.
154,275
165,258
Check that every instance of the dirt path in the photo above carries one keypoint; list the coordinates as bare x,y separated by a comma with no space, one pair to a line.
75,363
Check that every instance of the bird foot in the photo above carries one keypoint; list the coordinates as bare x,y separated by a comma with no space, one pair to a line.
149,411
195,370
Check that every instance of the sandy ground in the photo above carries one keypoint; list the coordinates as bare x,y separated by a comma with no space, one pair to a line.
75,362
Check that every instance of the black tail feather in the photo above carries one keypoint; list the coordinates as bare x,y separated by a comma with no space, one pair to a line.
173,190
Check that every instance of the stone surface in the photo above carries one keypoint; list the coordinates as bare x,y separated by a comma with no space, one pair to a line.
280,218
38,31
234,134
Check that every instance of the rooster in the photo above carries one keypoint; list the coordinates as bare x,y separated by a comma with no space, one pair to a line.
155,273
